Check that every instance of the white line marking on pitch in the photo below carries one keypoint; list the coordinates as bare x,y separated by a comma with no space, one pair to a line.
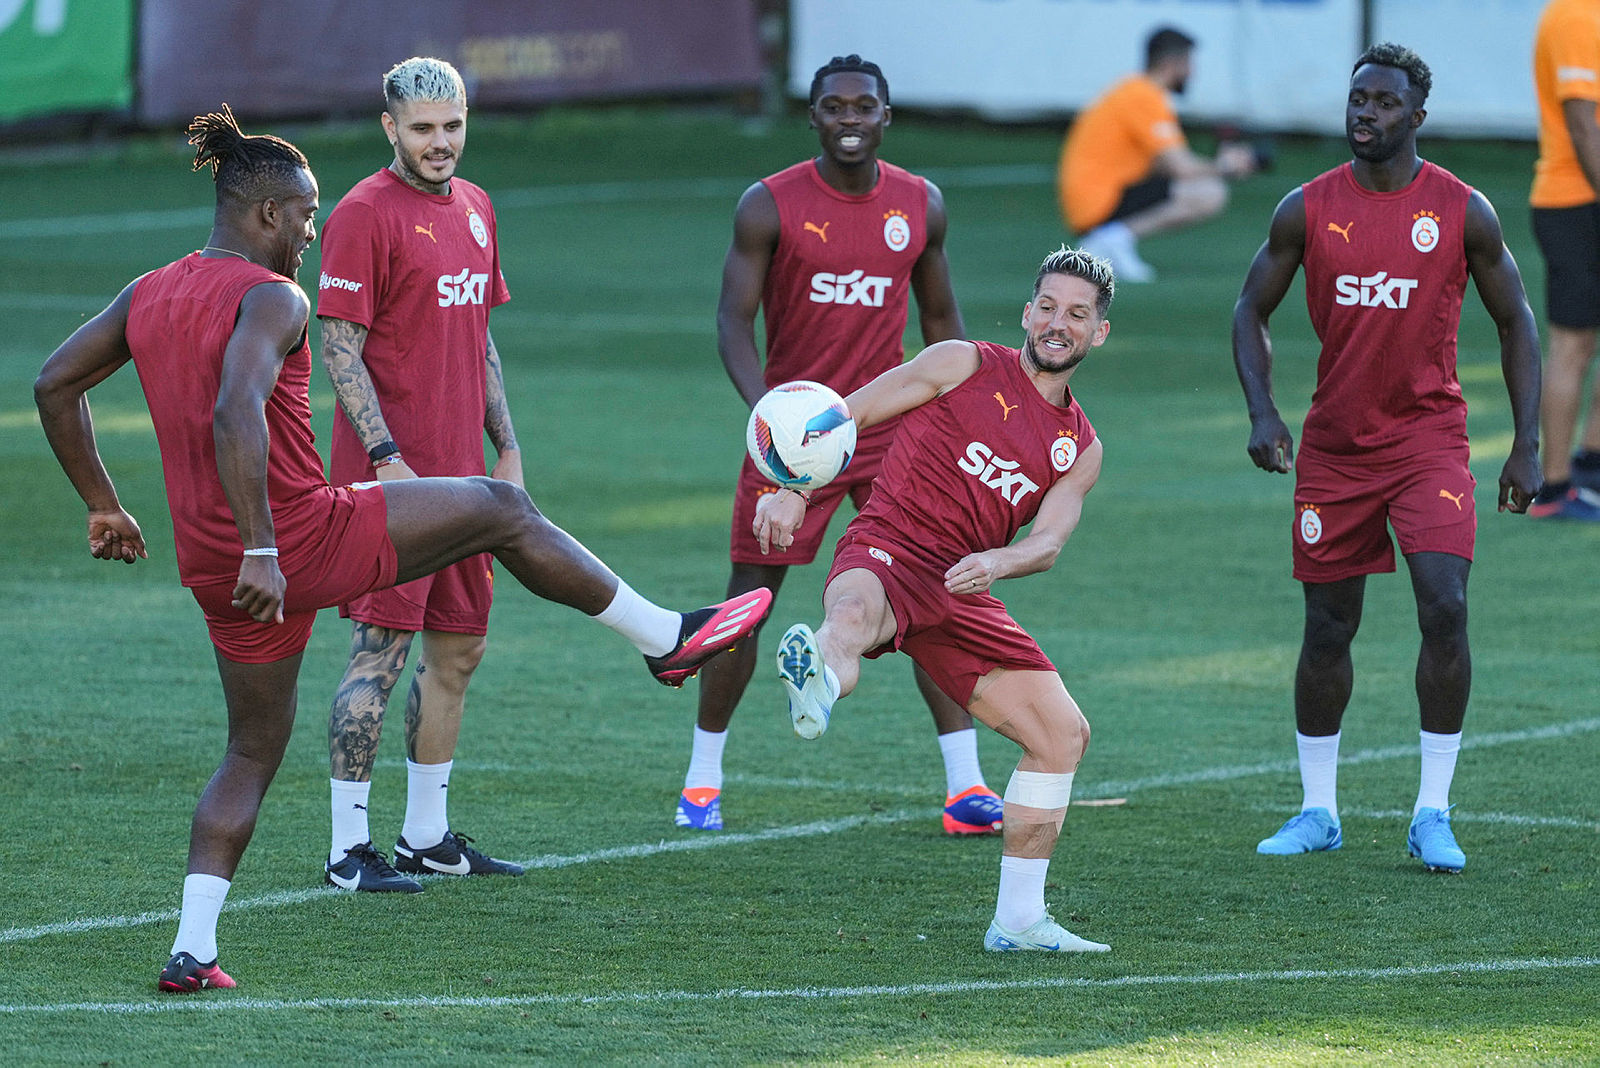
549,861
1464,816
229,1003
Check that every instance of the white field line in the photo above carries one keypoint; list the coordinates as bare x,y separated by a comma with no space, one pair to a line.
1113,789
549,861
1514,819
547,196
229,1003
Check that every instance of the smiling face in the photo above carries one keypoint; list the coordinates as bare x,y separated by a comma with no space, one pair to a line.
849,117
1062,323
428,138
1380,118
296,225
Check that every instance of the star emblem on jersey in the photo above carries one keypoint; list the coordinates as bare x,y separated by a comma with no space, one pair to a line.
1424,231
1064,451
480,232
1310,524
820,231
896,230
425,231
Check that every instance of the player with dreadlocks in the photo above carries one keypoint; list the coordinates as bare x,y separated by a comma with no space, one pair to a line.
262,540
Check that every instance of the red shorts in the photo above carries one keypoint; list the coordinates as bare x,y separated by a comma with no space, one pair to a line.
855,481
957,640
455,600
349,555
1343,509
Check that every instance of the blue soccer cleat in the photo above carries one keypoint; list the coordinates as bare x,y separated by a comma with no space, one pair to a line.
700,808
804,680
1431,839
1309,831
978,810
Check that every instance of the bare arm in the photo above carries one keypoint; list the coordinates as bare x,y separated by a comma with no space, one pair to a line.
342,345
1273,269
91,355
1584,129
937,310
1037,550
744,272
272,319
1499,283
497,419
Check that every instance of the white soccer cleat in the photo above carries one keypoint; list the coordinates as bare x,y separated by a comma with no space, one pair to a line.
1046,936
800,667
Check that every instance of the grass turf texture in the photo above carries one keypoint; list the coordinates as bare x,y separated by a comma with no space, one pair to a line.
856,937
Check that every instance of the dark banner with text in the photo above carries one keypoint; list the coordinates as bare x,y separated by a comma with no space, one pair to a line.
310,57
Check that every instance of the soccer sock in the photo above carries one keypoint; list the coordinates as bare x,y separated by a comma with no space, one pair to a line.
427,792
203,896
961,770
1438,769
1021,900
349,816
653,630
831,681
705,760
1319,772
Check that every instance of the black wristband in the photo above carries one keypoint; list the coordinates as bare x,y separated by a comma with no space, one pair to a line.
378,452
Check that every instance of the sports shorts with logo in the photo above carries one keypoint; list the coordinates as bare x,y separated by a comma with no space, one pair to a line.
855,481
455,600
1344,507
956,639
343,555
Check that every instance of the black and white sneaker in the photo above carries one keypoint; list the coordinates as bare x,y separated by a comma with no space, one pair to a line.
365,868
453,856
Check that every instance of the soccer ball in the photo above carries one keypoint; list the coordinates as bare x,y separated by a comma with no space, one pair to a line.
801,435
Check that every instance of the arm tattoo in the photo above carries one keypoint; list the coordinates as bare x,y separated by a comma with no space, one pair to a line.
497,415
342,343
377,657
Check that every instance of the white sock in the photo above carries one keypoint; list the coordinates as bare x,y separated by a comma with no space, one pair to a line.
831,681
349,816
961,770
653,630
1020,904
705,760
1319,772
203,896
1438,768
427,796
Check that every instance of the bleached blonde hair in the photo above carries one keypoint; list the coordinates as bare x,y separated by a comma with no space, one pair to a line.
1085,265
422,78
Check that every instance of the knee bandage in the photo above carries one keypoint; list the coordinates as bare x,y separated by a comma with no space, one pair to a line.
1039,789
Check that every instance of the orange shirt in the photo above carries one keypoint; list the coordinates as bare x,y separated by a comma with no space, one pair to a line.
1111,145
1566,66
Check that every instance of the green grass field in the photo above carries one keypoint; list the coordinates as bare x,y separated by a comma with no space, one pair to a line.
832,921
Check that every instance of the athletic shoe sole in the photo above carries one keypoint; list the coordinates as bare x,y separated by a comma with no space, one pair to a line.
727,623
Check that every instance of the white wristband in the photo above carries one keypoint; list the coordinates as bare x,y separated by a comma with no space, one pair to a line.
265,550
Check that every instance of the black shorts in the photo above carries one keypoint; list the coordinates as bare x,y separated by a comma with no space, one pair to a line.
1569,239
1140,196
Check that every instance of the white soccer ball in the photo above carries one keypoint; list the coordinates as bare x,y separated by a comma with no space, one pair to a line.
801,435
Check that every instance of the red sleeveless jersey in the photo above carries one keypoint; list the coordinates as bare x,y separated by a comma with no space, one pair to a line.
1385,275
839,284
967,470
179,323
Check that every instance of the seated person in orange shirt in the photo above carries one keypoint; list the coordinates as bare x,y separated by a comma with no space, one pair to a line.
1126,170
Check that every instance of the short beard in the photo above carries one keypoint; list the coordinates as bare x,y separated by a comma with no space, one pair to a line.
1072,359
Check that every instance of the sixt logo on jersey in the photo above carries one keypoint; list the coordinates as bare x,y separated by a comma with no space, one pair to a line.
328,281
857,287
463,288
1374,291
996,473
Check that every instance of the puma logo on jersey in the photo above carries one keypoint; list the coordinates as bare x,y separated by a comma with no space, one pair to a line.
463,288
1453,498
427,230
1374,291
1342,231
857,287
1005,409
821,231
997,473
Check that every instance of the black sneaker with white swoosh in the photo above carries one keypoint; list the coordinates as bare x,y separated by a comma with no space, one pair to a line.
453,856
365,868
